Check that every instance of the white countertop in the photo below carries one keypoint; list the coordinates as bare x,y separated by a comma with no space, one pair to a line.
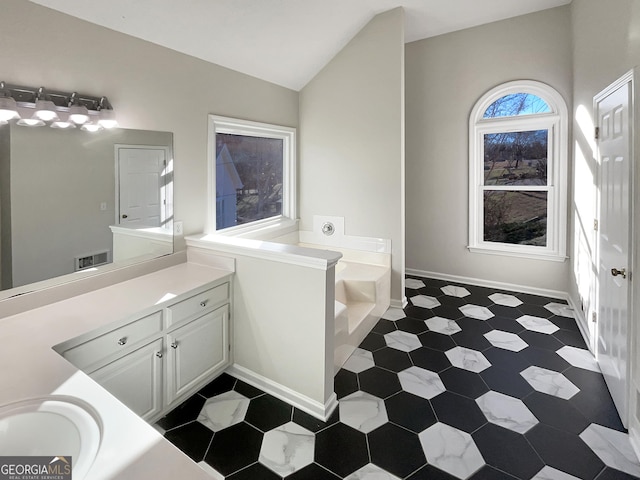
131,448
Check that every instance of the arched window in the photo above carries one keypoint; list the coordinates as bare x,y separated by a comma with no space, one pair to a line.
518,171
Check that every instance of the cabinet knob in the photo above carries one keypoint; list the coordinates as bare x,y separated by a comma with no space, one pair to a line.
203,303
174,345
159,354
122,341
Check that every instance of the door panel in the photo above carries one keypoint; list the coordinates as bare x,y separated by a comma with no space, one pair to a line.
613,114
140,186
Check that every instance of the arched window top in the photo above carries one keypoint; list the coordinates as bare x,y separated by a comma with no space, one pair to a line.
518,99
516,104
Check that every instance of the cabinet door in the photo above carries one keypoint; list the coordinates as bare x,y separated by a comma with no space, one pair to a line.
136,379
196,351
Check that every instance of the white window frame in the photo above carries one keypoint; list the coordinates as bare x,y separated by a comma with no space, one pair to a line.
234,126
556,123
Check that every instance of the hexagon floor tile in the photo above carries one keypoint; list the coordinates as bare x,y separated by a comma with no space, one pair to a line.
403,341
489,385
287,449
442,325
537,324
359,361
550,382
476,311
363,411
505,300
425,301
507,412
421,382
454,291
506,340
467,359
451,450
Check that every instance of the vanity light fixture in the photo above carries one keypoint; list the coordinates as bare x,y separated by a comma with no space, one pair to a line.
8,105
36,107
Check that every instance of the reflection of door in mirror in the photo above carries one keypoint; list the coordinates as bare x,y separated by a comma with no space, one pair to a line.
143,215
141,186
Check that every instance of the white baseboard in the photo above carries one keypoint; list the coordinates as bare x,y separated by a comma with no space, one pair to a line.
399,303
581,321
304,403
490,283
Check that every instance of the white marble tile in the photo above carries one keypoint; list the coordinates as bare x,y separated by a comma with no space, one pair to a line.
579,357
443,325
359,361
506,340
393,314
507,412
371,472
421,382
537,324
550,473
550,382
468,359
403,341
224,410
454,291
560,309
413,283
210,470
425,301
505,299
287,449
475,311
363,411
612,447
451,450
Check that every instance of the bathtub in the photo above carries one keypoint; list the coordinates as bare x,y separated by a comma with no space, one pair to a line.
362,295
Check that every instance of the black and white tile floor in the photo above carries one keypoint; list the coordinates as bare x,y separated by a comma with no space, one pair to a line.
466,382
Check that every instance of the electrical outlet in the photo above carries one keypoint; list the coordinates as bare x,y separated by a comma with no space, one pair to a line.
103,206
177,228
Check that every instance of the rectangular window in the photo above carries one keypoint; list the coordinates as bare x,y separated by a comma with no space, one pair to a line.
253,174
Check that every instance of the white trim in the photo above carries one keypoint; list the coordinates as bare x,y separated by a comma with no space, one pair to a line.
581,321
399,303
235,126
304,403
556,123
277,252
481,282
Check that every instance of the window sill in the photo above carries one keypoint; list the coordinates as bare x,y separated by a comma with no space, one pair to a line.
551,257
262,229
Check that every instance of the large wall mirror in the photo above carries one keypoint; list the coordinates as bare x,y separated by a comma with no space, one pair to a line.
73,201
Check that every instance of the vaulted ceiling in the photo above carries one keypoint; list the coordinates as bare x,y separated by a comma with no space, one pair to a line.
286,42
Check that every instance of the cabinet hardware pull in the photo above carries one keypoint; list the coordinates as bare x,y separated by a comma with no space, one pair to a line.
122,341
174,345
159,354
204,303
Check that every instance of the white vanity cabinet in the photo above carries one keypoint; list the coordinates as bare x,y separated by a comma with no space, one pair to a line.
154,360
136,379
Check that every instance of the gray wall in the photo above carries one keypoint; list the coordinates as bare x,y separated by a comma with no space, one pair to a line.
445,76
351,139
150,87
606,44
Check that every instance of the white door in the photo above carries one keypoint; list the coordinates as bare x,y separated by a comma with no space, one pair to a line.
614,121
140,185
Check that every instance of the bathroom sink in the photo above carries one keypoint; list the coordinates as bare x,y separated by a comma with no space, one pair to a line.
55,426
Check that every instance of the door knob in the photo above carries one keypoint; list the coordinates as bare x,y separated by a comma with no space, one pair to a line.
124,215
615,272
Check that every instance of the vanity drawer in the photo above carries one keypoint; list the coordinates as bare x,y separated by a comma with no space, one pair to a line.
201,303
94,350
